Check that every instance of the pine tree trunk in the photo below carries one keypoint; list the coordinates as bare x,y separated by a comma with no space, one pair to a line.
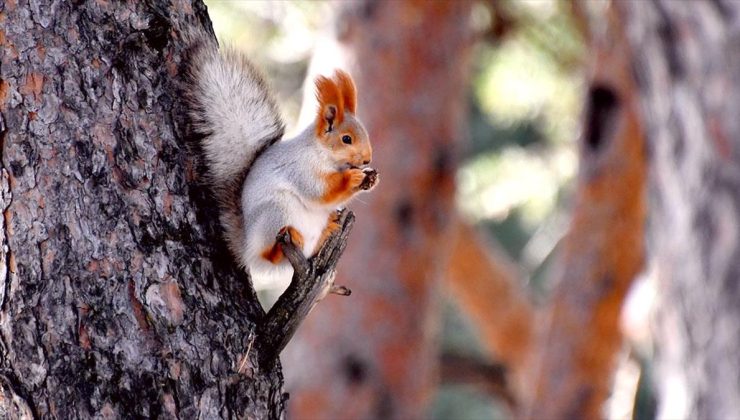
117,297
603,251
374,354
686,57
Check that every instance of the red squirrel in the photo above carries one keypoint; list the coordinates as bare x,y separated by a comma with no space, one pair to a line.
265,183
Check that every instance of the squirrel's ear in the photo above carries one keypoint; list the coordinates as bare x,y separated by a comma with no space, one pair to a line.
331,105
347,87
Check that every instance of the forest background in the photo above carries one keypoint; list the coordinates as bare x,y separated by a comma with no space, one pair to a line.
555,235
524,95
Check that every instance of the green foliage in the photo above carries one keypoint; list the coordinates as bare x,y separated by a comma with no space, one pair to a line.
464,403
511,233
489,138
278,36
525,106
459,334
525,102
646,404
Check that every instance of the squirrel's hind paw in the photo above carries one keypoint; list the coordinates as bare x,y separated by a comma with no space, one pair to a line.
293,236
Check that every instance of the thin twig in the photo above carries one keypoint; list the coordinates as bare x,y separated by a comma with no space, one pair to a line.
250,340
311,280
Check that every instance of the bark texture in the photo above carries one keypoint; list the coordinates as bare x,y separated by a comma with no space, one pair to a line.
575,352
686,58
118,299
374,355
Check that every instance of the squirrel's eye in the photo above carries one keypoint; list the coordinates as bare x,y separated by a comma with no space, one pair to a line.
346,139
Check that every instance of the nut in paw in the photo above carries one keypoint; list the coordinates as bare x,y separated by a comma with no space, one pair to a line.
371,179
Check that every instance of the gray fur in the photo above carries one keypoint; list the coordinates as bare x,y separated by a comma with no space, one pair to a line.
263,183
231,105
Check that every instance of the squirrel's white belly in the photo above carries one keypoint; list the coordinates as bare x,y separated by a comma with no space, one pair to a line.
311,225
267,275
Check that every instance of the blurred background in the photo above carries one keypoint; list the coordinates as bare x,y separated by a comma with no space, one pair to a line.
499,268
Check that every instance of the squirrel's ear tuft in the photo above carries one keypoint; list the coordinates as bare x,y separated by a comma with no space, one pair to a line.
347,87
331,105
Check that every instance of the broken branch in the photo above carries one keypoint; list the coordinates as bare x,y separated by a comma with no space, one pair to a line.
312,280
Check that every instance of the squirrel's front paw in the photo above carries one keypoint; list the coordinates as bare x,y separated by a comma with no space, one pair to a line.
370,179
355,177
342,185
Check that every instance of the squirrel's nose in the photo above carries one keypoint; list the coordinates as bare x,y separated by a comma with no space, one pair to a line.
366,162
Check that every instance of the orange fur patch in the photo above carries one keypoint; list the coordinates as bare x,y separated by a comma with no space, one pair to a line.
347,87
356,153
275,254
340,186
331,226
338,92
328,95
295,236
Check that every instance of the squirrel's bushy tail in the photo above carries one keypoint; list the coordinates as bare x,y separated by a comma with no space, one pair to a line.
232,109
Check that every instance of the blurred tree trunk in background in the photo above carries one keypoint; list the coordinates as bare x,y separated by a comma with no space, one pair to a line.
116,300
374,355
686,57
489,288
574,355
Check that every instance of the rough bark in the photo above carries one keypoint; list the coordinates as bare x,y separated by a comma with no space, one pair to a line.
575,353
686,58
375,357
117,295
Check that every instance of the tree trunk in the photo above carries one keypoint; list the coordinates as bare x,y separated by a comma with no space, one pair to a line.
117,296
603,251
487,284
686,56
374,355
